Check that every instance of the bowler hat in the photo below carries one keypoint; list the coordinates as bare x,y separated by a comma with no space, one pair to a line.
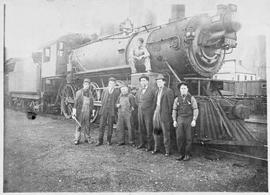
86,80
180,84
160,77
144,77
112,79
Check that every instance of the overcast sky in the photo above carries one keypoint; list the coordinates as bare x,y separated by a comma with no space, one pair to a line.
31,23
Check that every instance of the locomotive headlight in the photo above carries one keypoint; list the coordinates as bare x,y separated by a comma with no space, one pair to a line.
188,34
193,34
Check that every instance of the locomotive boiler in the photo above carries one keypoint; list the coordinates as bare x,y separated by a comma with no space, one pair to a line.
194,47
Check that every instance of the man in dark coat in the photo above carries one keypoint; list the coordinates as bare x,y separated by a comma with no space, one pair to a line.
162,119
185,114
144,100
83,108
107,112
134,113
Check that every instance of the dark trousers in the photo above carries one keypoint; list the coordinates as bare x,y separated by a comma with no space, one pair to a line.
106,116
165,126
145,127
184,135
124,119
134,119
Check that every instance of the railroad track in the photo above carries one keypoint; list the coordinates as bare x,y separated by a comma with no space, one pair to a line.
252,154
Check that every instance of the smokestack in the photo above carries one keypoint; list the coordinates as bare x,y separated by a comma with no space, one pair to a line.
221,9
177,12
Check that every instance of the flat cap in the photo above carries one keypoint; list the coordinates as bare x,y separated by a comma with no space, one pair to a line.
133,88
160,77
180,84
112,79
87,80
144,76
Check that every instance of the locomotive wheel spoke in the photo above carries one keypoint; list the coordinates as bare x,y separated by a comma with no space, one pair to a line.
67,100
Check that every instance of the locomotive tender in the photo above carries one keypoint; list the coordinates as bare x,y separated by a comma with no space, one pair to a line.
190,49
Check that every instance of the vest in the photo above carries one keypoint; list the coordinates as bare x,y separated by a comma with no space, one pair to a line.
109,103
184,107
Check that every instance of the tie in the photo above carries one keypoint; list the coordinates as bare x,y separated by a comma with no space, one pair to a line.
110,90
144,89
183,97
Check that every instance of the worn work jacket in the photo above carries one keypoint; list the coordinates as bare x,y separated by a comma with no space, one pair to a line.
108,101
145,100
79,102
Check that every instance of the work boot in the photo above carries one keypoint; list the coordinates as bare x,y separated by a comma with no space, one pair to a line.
148,148
99,144
140,146
167,154
132,144
120,144
181,157
155,152
186,158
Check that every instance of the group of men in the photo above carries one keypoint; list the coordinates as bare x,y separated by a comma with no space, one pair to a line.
155,108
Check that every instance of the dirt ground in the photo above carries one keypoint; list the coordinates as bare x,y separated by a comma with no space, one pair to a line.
39,156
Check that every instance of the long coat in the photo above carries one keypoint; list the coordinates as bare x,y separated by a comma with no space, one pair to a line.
166,104
104,98
145,101
79,102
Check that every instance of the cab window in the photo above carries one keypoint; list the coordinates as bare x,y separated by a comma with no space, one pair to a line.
46,54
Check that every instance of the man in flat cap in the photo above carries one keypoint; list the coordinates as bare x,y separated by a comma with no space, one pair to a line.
140,56
107,111
83,109
185,113
144,100
125,105
162,119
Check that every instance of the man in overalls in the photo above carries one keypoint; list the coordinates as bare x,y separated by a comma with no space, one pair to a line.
185,113
125,105
139,56
83,109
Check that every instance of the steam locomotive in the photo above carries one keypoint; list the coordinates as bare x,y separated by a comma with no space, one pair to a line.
190,49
